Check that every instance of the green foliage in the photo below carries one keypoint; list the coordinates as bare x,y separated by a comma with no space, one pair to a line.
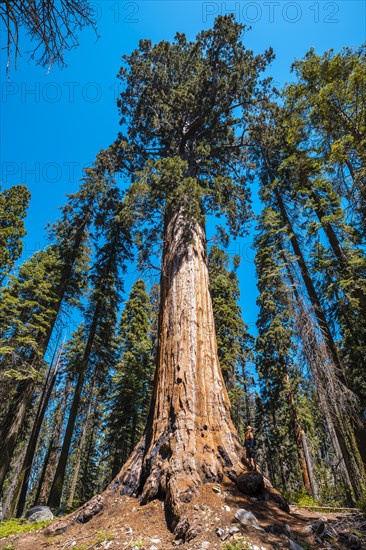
188,110
325,172
16,526
237,543
303,195
276,366
183,102
27,312
13,205
301,498
133,377
105,535
234,343
138,543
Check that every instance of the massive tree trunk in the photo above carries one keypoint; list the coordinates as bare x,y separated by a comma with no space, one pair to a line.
190,438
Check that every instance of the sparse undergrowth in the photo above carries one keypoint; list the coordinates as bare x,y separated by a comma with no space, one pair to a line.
301,498
16,526
105,535
237,543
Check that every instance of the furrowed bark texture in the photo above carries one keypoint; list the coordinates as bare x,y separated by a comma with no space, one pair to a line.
190,438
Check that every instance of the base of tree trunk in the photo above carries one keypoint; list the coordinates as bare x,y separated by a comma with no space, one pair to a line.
170,482
177,477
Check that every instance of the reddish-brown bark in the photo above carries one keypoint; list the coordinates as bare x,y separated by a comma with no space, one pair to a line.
190,438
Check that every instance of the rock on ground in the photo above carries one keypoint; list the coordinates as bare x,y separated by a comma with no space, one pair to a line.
39,513
251,483
246,518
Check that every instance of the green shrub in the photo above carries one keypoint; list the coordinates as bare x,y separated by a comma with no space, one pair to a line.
237,543
301,498
138,543
15,526
104,535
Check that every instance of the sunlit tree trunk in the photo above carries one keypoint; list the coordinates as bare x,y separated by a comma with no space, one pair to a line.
190,438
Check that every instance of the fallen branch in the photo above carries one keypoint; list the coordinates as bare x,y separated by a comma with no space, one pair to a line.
331,508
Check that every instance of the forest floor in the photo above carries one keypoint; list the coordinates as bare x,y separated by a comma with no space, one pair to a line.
124,524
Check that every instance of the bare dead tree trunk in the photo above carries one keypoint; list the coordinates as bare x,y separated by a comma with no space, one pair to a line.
333,401
336,401
309,466
190,438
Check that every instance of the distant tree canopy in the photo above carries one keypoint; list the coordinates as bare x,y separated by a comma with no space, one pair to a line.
13,206
51,24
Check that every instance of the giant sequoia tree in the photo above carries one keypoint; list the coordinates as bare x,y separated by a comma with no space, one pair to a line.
181,108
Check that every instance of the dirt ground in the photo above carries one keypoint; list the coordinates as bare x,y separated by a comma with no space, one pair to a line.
124,524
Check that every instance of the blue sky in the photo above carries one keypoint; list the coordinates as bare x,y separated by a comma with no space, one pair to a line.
54,123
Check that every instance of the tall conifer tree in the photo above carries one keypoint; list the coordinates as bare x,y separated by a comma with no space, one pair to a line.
13,206
234,343
133,378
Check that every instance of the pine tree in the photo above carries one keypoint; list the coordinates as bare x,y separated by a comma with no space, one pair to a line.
340,258
71,358
275,357
132,381
70,251
329,95
233,340
76,457
101,317
26,312
13,205
20,492
271,156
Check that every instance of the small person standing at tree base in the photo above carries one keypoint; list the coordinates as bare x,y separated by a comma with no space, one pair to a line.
250,447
